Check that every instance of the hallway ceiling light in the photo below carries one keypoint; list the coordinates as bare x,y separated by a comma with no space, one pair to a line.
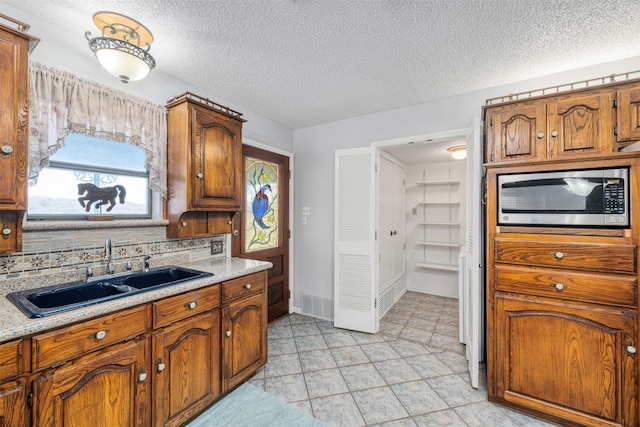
458,152
123,49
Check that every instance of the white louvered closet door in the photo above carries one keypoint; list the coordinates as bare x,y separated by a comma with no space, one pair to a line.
355,289
473,272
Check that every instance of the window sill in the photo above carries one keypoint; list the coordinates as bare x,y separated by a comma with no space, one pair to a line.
86,225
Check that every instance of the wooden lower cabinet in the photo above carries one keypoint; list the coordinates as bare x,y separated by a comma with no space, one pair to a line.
186,375
13,404
108,388
574,363
244,341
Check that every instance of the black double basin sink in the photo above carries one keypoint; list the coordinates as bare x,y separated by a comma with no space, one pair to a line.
55,299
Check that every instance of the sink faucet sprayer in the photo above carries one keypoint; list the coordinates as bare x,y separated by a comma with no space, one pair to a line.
108,254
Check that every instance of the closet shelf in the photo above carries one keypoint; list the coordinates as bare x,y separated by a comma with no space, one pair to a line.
441,244
437,266
446,182
439,203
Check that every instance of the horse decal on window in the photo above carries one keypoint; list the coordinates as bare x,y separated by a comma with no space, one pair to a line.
91,193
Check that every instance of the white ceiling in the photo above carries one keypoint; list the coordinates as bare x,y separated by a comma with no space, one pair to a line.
306,62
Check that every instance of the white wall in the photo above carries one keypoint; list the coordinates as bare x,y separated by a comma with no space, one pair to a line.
68,51
314,152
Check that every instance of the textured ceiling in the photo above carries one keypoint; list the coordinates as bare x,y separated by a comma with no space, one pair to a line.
306,62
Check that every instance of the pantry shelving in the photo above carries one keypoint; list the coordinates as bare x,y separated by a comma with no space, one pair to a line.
439,226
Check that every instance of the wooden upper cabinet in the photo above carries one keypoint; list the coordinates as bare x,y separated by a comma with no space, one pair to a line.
562,127
580,125
14,103
204,166
217,161
518,133
628,111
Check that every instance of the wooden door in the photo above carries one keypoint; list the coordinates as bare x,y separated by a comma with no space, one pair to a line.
579,126
264,222
13,404
14,103
217,151
576,357
628,112
109,388
518,133
186,375
244,341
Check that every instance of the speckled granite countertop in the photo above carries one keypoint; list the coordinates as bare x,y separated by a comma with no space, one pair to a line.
15,324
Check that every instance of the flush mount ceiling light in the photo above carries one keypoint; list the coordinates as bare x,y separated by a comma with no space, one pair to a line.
123,49
458,152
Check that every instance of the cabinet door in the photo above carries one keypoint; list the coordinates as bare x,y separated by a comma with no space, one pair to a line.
13,404
13,120
579,126
217,158
518,133
244,341
109,388
186,374
567,361
628,112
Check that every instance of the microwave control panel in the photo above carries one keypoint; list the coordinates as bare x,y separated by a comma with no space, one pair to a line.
614,202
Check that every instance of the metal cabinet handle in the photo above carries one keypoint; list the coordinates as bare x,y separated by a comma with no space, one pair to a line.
540,135
161,365
631,349
142,377
7,149
199,175
247,286
227,333
559,286
6,232
559,255
183,223
554,133
192,305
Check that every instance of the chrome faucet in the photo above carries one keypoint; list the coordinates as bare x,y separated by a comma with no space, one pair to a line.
108,254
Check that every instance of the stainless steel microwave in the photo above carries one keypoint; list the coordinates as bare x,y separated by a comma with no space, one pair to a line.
598,197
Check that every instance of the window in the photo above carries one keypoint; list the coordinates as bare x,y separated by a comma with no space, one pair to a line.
90,176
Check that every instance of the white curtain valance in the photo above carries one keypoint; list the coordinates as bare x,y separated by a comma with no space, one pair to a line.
61,103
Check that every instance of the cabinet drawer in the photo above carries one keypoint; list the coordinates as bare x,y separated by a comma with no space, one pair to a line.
583,256
180,307
243,286
64,344
10,359
572,285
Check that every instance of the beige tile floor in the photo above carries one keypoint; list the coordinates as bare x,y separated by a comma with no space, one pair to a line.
412,373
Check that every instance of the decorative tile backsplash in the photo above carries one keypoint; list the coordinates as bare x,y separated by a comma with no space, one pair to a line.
47,251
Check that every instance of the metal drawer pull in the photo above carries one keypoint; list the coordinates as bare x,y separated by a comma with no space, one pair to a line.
554,133
142,377
227,333
191,305
559,286
7,149
199,175
540,135
6,232
247,286
559,255
161,365
631,349
99,335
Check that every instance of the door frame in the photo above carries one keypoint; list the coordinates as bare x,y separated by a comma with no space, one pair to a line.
260,145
